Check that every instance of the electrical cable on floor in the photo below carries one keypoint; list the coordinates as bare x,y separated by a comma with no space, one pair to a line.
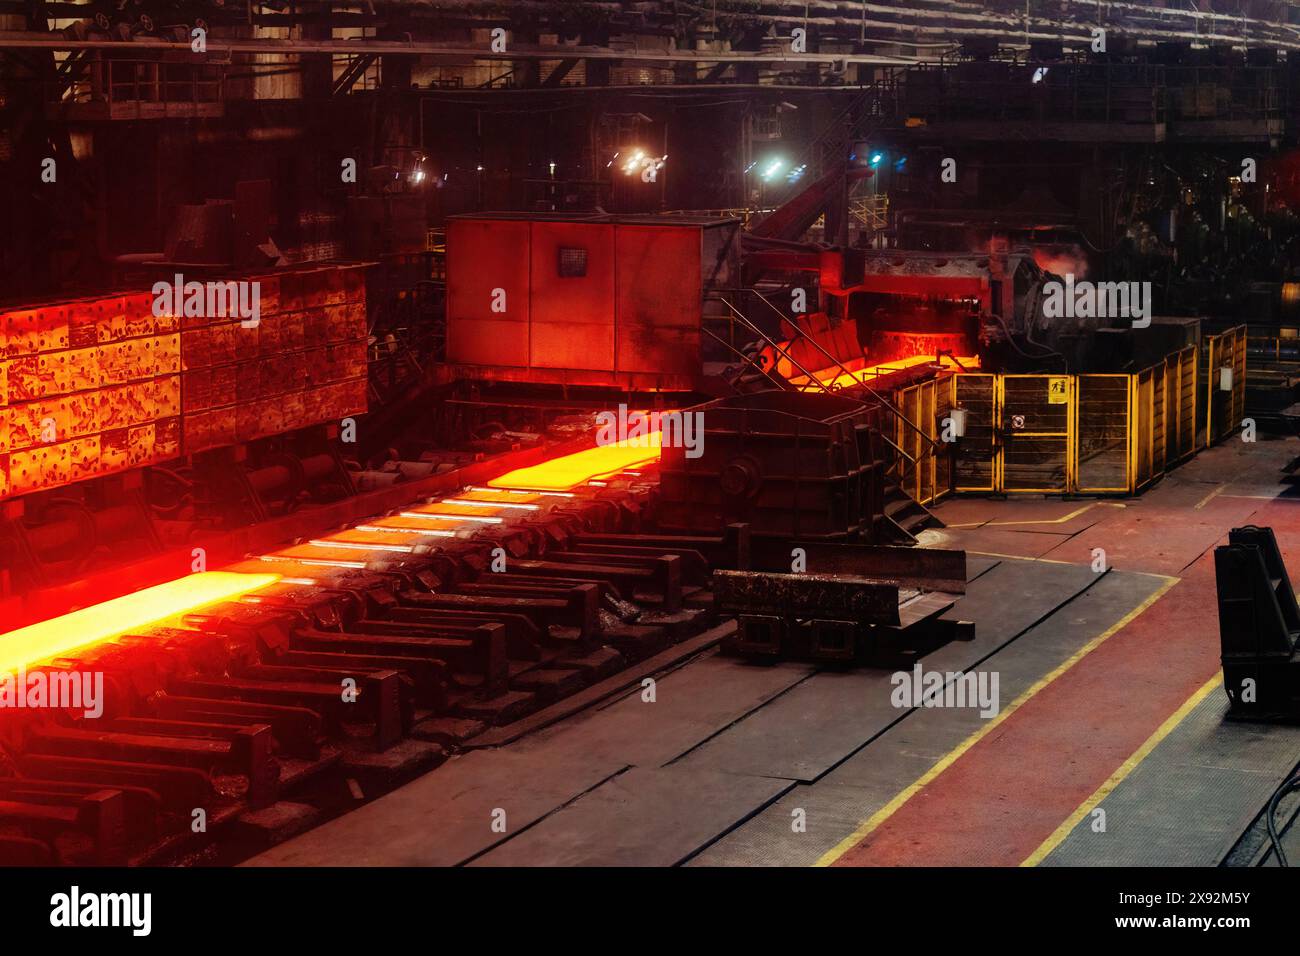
1270,814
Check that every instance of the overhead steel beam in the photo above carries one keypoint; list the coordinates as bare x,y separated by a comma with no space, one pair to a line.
560,72
10,39
685,89
919,23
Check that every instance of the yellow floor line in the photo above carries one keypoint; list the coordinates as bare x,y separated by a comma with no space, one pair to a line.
1062,520
888,810
1024,557
1210,497
1127,767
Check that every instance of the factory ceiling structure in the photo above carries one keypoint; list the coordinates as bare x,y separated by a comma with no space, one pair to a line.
649,434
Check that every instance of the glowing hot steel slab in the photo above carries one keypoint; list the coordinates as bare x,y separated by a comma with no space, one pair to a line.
521,495
837,379
569,471
508,498
91,625
456,508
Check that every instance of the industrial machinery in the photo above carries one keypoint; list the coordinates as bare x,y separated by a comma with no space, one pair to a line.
1259,626
589,300
786,463
319,491
441,617
451,591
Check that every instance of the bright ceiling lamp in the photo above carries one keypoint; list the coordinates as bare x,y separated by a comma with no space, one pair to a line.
99,622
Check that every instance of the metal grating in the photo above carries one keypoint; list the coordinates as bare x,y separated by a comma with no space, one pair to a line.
1103,420
928,476
976,461
1081,434
1035,432
1224,409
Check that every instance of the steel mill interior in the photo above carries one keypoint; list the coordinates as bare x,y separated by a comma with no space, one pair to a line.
731,433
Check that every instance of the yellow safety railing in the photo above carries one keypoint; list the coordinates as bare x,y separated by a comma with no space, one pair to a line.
1225,383
1103,425
1037,434
1093,434
923,474
1164,413
976,462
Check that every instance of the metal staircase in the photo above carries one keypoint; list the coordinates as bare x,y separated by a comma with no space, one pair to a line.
828,159
902,516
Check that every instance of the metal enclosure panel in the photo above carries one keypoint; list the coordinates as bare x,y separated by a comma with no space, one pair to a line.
658,299
1224,410
94,386
976,467
1187,370
572,317
1102,434
785,463
928,475
1036,433
483,256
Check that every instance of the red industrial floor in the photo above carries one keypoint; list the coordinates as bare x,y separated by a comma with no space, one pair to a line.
1105,676
1002,798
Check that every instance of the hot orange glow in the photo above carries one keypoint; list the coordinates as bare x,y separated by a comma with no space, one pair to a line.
444,519
837,379
361,546
315,562
457,508
569,471
423,524
285,569
100,622
480,502
501,496
403,533
517,495
338,553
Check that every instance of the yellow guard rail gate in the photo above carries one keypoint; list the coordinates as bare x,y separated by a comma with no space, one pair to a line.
1102,434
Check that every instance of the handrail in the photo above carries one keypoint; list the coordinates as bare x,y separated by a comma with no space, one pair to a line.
800,332
764,336
898,448
934,444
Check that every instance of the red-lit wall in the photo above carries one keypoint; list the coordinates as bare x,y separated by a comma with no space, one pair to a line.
89,387
572,318
635,313
483,257
658,299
